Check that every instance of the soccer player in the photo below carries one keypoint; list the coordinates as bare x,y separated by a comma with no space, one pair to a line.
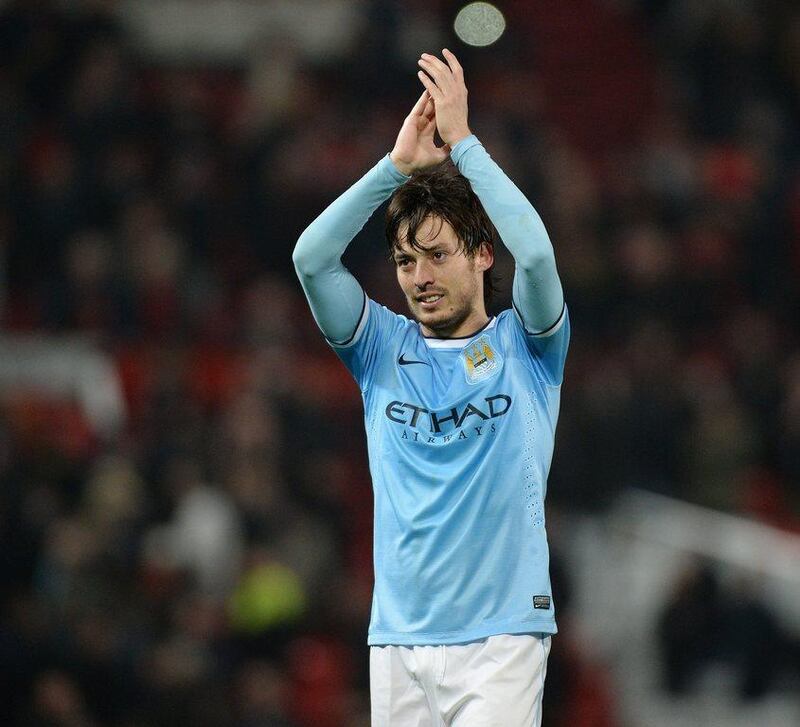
460,412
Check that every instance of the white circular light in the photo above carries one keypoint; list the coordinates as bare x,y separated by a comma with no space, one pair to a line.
479,24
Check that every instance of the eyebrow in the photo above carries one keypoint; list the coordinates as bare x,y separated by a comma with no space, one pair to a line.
438,247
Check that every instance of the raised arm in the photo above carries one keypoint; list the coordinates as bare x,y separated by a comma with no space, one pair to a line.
537,292
335,296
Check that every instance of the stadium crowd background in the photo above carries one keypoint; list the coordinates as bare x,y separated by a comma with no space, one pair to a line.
208,562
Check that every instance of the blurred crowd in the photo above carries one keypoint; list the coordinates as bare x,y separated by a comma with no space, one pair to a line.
210,562
709,624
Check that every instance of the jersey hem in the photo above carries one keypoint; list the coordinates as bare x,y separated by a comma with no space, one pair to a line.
392,638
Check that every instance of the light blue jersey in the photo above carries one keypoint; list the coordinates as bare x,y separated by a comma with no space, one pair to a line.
460,438
459,431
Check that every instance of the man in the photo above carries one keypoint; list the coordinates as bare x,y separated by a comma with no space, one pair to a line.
460,413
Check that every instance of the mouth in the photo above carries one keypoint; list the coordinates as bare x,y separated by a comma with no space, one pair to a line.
429,300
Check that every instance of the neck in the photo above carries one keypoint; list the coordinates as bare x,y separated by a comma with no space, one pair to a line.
476,320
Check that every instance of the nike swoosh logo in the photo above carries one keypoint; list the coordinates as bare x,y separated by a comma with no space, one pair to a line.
403,361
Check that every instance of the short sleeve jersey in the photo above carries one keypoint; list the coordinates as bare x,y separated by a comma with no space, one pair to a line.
460,436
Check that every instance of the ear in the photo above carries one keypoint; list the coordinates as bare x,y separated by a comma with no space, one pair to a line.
484,258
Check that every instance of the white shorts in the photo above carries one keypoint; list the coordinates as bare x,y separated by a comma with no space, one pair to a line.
498,681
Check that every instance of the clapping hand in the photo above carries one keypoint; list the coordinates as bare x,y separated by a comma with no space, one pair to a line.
415,147
445,84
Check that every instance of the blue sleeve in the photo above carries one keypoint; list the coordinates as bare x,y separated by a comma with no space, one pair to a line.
335,296
376,328
537,294
547,350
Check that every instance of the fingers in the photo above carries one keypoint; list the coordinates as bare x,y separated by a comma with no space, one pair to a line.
428,129
452,61
434,62
427,114
426,121
447,76
430,86
436,69
421,104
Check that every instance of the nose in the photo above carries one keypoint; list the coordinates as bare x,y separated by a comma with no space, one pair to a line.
423,274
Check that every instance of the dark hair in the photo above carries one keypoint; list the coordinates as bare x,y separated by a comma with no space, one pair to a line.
441,192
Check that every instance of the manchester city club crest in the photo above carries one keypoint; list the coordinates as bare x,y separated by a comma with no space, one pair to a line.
480,360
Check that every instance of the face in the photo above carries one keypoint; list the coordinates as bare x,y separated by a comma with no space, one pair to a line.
443,287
